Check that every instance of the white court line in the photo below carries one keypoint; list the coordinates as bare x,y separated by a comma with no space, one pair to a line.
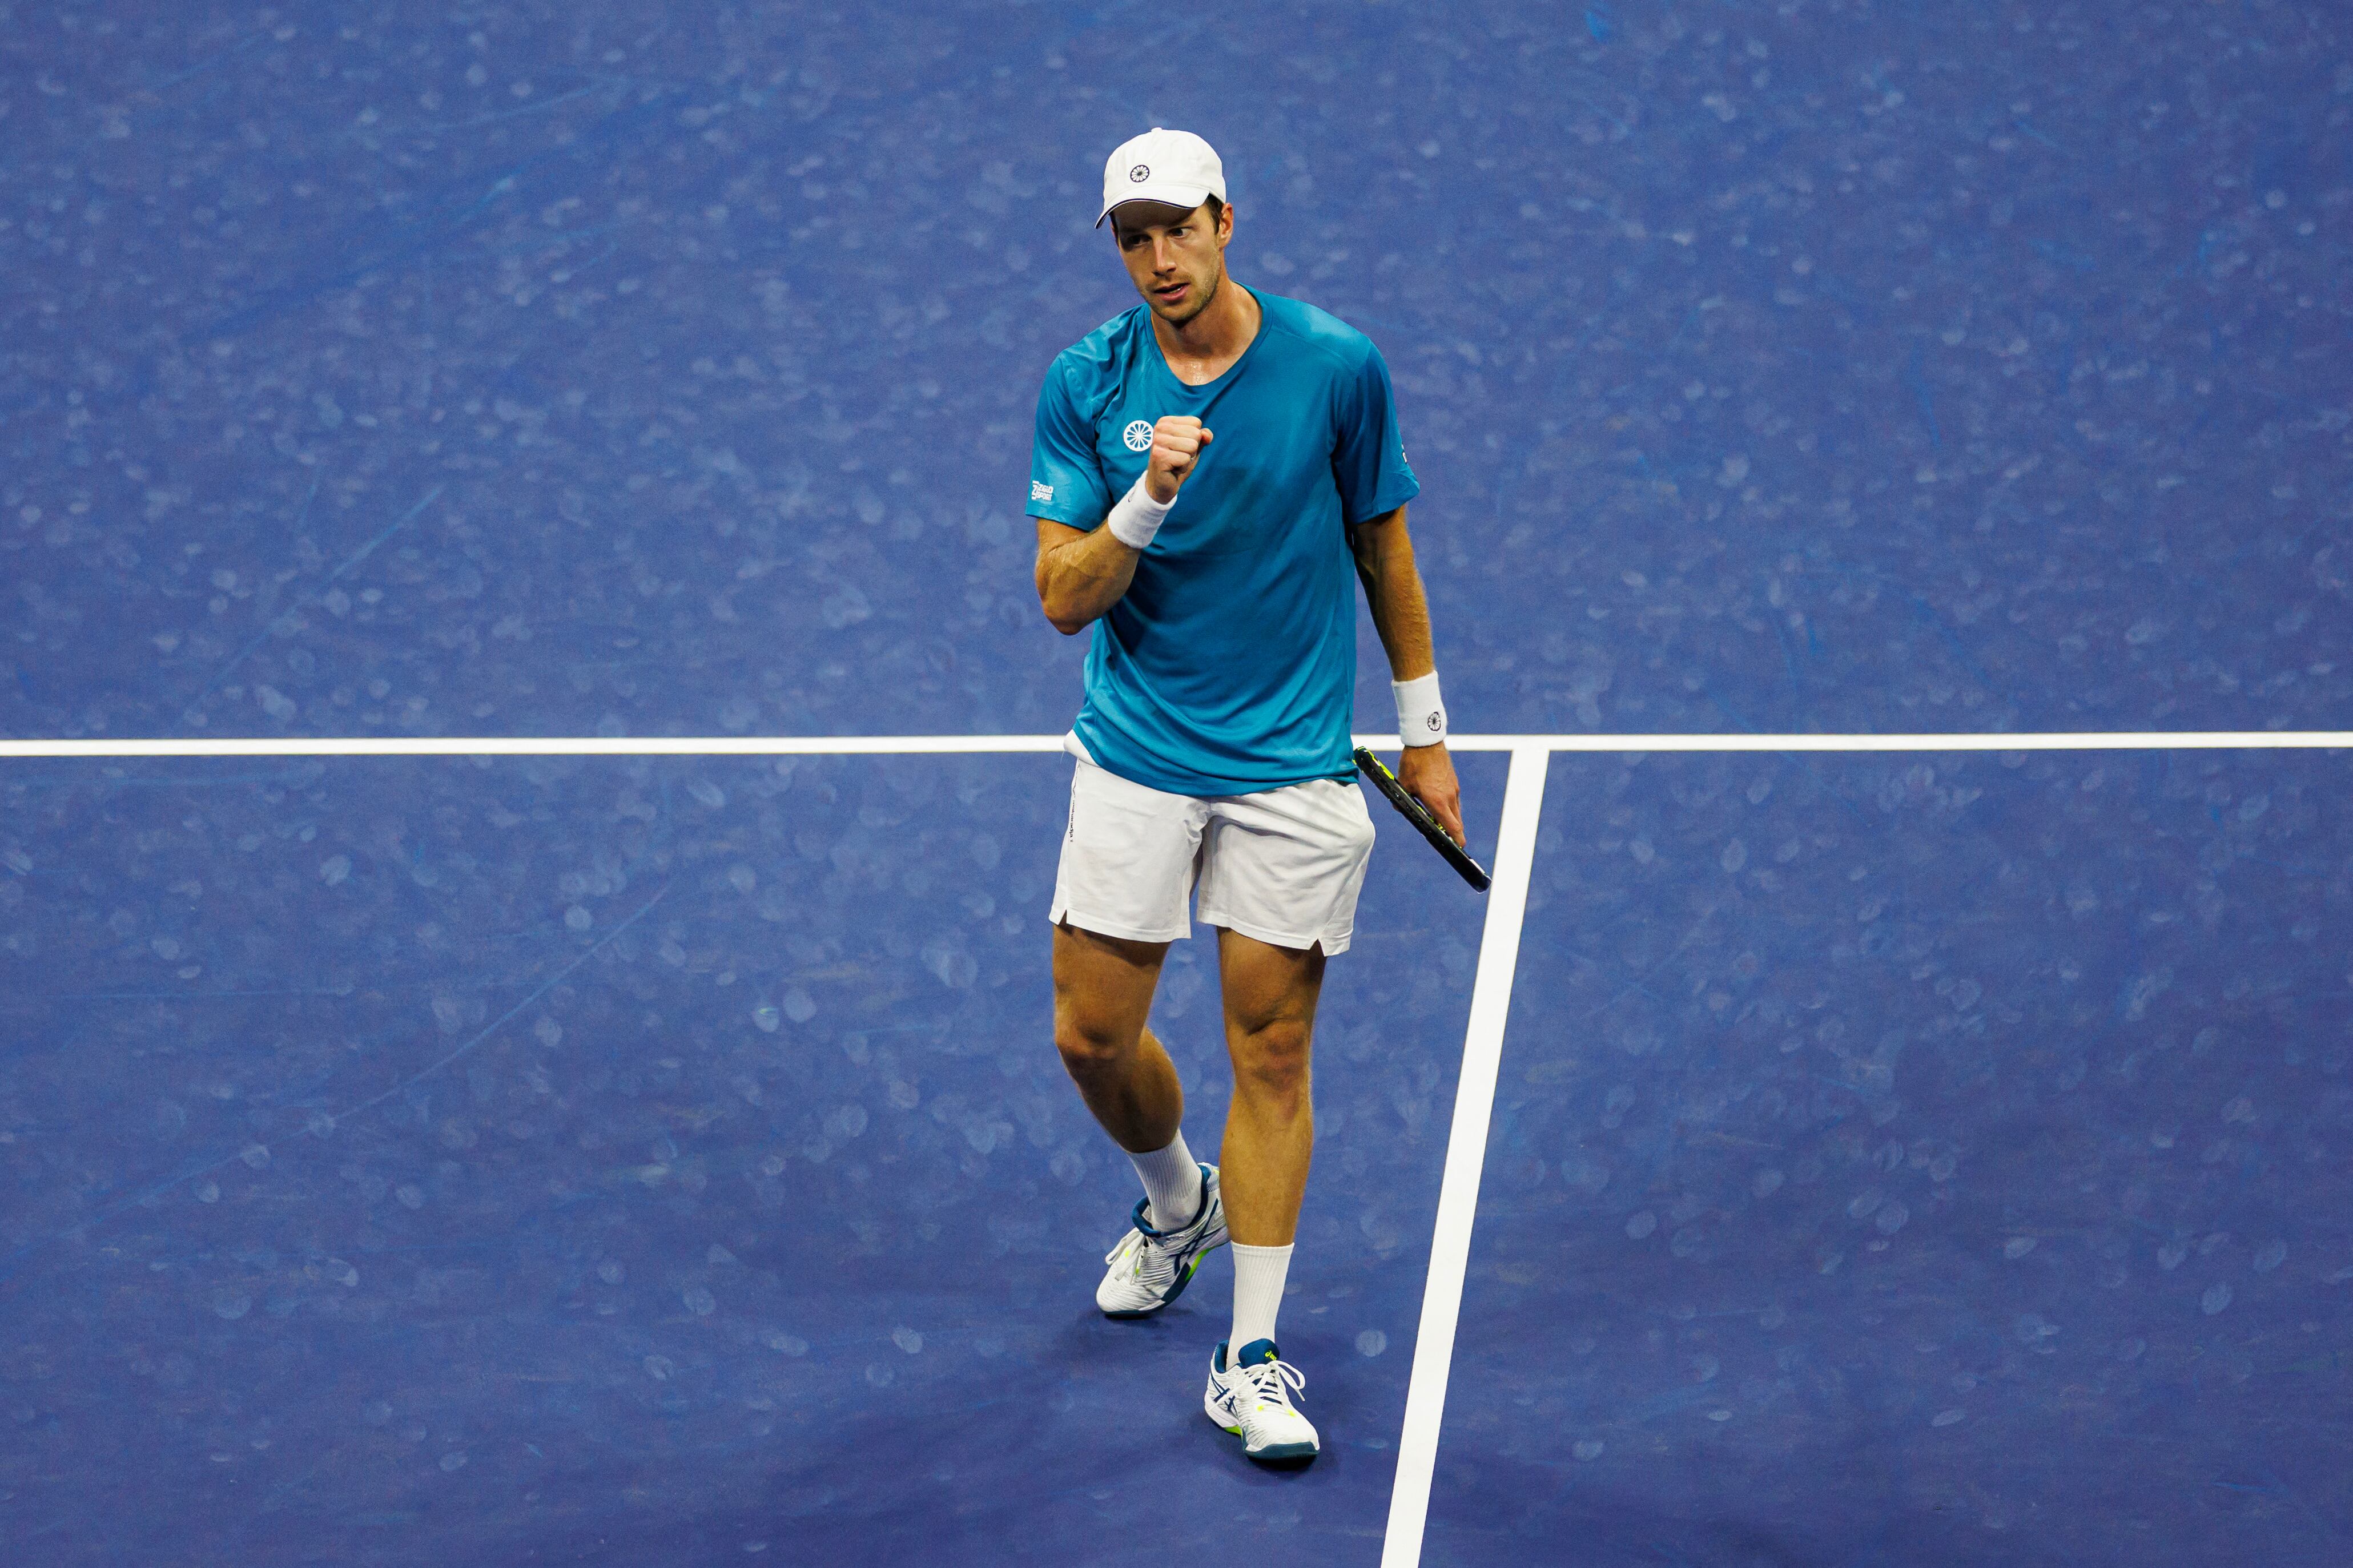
935,745
541,746
1466,1155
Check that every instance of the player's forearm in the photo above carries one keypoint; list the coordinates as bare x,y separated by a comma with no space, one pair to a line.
1393,592
1079,581
1079,578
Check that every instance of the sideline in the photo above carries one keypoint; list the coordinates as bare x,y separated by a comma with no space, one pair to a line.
1466,1155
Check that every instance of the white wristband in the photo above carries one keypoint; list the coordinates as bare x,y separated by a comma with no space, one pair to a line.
1137,517
1422,717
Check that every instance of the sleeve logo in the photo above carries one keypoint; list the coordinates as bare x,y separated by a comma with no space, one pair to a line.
1138,435
1040,492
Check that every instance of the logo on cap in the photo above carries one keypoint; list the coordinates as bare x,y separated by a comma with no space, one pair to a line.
1138,435
1140,174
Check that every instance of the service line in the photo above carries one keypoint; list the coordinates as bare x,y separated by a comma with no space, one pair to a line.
939,746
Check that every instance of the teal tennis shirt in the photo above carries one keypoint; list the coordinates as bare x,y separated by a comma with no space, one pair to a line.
1229,664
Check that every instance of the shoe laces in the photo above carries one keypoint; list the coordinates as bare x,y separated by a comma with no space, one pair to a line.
1155,1251
1143,1255
1274,1381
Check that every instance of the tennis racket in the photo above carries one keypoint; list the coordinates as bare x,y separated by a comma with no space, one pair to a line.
1419,815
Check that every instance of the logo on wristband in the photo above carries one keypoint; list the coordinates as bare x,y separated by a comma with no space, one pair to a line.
1138,435
1436,722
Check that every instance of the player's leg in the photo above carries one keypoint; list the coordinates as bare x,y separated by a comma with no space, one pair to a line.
1103,994
1282,872
1270,993
1120,898
1103,990
1269,1005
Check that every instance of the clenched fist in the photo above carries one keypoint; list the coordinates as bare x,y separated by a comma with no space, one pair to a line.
1176,443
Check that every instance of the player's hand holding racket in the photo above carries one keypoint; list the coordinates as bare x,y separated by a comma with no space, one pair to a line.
1427,774
1431,792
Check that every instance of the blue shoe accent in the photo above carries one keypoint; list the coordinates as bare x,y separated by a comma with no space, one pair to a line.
1200,1207
1254,1353
1224,1396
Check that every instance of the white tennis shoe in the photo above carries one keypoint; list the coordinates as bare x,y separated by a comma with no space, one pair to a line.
1149,1269
1252,1399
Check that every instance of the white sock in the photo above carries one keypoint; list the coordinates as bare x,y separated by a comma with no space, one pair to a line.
1172,1182
1258,1293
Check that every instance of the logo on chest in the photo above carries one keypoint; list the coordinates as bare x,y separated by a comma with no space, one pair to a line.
1138,435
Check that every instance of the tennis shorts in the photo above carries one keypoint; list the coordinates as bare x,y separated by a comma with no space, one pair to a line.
1281,865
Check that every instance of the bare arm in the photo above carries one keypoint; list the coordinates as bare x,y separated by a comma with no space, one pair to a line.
1393,592
1080,574
1384,552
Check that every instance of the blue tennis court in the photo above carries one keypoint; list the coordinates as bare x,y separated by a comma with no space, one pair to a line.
528,789
1929,1159
560,1158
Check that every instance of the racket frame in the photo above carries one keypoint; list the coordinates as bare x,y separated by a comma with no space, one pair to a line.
1413,811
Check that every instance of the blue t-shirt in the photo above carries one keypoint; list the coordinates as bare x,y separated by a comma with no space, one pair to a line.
1229,664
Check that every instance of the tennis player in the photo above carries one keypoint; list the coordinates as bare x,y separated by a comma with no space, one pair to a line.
1207,469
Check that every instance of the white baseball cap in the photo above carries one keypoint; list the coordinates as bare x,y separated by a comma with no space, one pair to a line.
1172,166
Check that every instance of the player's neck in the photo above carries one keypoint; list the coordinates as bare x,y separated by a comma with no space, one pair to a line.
1205,347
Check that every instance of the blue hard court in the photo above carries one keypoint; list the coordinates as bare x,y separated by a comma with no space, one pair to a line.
1925,1158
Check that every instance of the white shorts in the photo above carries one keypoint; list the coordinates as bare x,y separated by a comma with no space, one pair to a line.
1282,865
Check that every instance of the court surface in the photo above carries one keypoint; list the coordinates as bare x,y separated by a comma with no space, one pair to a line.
548,1160
482,1097
1921,1158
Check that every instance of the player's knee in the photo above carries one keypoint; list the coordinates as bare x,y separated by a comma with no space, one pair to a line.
1089,1045
1270,1064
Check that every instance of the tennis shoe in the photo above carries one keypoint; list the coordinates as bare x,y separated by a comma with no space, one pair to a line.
1149,1269
1251,1397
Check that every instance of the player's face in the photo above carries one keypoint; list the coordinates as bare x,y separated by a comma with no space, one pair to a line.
1175,258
